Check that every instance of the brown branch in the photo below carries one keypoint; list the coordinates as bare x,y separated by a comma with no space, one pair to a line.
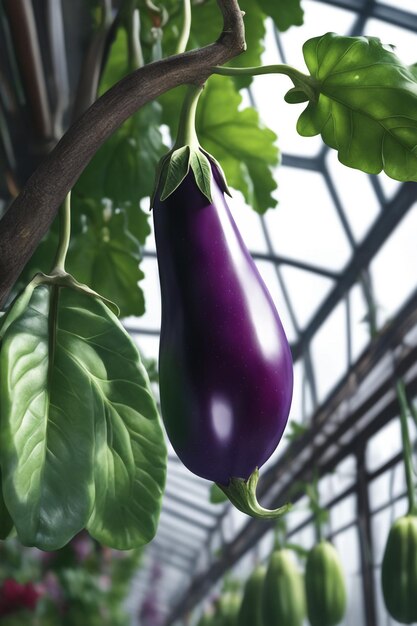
33,211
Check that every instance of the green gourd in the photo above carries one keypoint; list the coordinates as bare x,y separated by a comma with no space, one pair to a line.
228,609
205,620
283,598
399,570
325,586
250,613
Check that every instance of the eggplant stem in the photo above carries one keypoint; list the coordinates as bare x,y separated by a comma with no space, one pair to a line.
242,494
64,235
407,450
302,81
187,135
186,28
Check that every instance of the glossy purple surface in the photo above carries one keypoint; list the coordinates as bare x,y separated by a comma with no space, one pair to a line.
225,366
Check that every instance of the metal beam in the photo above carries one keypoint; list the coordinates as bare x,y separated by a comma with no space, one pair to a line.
385,12
191,505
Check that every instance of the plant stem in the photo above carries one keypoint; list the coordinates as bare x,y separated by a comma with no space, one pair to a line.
187,135
136,59
408,464
186,28
307,83
64,234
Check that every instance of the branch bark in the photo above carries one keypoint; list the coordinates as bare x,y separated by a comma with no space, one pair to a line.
32,212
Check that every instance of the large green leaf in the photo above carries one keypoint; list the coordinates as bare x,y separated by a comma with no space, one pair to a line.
285,13
81,441
366,106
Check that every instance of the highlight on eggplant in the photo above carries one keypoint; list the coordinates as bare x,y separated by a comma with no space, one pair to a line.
225,366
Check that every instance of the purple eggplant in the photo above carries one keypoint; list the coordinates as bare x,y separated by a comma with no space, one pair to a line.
225,365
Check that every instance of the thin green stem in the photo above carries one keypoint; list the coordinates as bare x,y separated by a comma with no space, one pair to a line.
407,451
186,28
64,235
187,135
300,80
136,59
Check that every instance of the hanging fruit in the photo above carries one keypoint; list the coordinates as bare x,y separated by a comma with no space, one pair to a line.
225,365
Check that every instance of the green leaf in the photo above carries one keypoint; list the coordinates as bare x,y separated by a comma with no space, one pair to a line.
81,442
106,257
367,104
124,167
296,96
245,148
285,13
200,166
176,170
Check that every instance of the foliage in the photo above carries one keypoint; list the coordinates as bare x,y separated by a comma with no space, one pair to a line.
366,104
109,228
82,583
81,441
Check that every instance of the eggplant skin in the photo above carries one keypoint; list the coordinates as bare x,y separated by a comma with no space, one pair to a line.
399,570
250,613
325,586
225,366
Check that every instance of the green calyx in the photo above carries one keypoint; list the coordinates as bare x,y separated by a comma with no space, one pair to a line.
186,155
242,494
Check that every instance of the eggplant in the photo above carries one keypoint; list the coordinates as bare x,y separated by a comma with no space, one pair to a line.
225,366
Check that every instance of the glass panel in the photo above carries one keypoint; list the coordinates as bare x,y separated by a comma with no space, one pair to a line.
356,195
394,267
386,487
330,351
403,40
307,291
384,445
343,513
347,545
318,19
148,346
359,326
269,92
305,226
267,271
248,223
